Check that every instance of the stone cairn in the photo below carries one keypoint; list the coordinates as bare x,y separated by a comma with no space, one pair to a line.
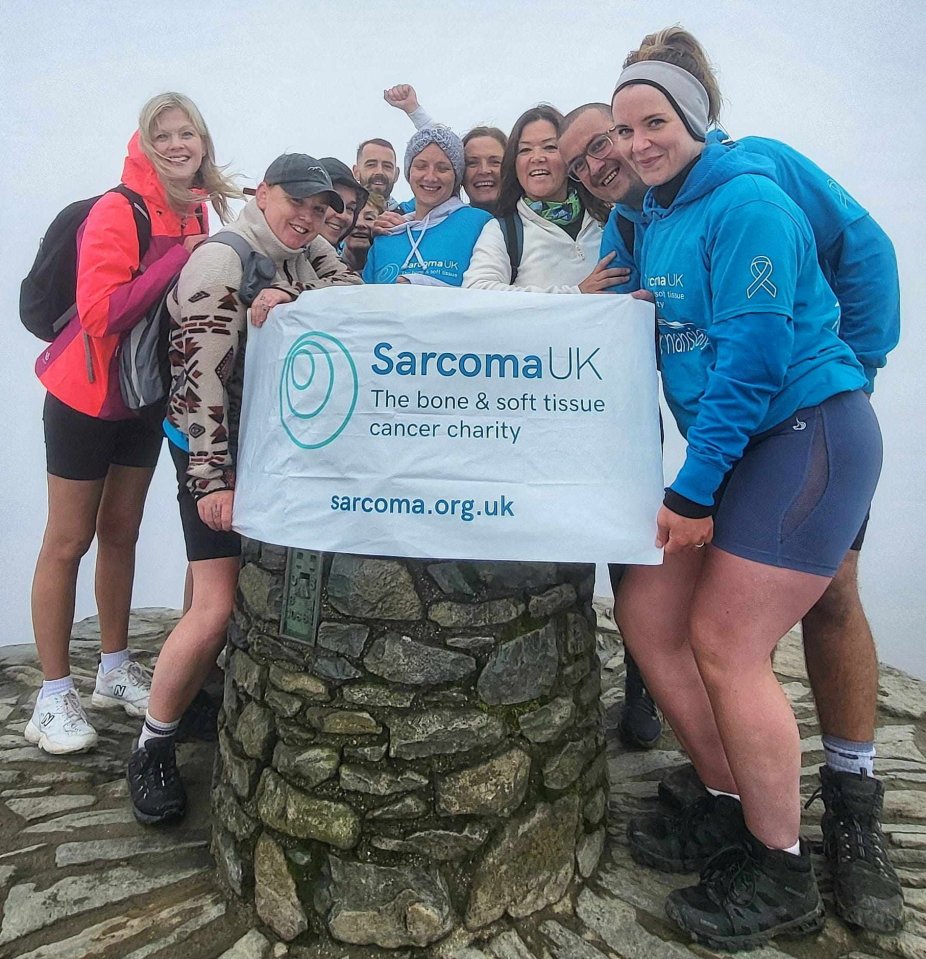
432,762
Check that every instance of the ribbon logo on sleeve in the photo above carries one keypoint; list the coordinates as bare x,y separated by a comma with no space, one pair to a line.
761,269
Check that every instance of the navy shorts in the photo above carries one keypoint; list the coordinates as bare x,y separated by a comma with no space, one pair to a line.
799,496
82,447
202,542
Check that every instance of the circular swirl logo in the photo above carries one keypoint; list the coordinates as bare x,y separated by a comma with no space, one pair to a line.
318,390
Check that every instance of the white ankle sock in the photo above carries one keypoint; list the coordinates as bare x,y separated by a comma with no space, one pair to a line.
155,729
52,686
720,792
848,756
110,661
794,850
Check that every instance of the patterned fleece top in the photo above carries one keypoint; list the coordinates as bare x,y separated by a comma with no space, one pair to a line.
207,340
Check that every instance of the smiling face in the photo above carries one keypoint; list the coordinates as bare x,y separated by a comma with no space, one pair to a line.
361,236
376,169
338,225
294,222
483,173
177,142
651,135
606,177
538,164
431,178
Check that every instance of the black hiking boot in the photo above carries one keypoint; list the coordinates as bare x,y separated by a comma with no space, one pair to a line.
865,886
200,720
747,895
686,841
640,726
681,787
155,785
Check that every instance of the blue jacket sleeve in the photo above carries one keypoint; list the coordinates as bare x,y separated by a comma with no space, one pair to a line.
613,242
756,254
861,267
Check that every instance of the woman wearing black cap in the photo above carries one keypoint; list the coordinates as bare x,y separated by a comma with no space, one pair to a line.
209,312
338,224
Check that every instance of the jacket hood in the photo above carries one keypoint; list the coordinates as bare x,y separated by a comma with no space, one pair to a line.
140,175
719,163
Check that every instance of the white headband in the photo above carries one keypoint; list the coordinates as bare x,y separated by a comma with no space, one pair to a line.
688,97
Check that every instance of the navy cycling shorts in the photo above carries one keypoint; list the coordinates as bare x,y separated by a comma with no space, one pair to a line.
799,496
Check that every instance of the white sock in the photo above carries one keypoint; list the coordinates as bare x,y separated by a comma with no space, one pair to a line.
794,850
110,661
52,686
155,729
720,792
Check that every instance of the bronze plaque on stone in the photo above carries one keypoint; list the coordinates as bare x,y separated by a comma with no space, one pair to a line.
302,595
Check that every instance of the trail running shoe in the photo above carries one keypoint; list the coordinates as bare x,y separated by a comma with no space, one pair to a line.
686,841
865,886
60,725
157,791
681,787
125,687
747,895
640,726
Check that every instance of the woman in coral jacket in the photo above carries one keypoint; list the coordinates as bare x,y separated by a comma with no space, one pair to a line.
100,456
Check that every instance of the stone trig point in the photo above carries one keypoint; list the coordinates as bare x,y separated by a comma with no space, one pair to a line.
408,748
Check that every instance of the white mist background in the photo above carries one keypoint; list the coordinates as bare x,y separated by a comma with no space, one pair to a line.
841,81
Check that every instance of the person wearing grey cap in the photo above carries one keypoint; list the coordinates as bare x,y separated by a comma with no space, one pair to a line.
433,245
339,223
209,309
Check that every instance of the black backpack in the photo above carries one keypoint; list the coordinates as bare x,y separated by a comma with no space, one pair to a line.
47,294
144,362
513,232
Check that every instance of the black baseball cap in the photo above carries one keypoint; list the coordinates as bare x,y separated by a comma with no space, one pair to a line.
340,172
302,176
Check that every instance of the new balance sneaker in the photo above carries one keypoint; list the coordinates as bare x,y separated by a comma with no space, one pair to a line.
747,895
60,725
157,791
681,786
640,726
125,687
865,886
686,841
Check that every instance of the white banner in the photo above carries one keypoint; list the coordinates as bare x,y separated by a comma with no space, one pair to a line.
466,424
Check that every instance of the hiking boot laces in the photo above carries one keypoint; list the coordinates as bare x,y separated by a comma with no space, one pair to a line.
855,841
730,875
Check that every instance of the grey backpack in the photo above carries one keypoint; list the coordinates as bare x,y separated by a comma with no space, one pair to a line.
144,364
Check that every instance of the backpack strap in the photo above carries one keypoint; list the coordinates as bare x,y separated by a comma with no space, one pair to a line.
141,214
627,231
257,269
513,232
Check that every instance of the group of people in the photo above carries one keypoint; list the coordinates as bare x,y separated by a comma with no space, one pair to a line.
740,244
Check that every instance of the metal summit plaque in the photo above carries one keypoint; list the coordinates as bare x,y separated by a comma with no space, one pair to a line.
302,595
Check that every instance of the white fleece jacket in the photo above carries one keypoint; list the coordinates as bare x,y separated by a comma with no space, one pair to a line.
551,262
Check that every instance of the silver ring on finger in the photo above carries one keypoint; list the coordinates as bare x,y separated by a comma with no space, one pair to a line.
699,545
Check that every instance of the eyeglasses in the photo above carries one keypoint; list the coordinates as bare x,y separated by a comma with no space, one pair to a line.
599,147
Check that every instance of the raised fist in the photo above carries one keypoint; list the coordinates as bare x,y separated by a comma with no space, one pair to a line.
402,96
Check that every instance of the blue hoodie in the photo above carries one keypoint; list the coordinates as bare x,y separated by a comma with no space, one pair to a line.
855,254
613,242
745,318
437,250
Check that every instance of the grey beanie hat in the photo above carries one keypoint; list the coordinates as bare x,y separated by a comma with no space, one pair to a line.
444,138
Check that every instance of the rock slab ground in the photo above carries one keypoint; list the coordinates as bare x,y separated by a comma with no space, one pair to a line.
80,879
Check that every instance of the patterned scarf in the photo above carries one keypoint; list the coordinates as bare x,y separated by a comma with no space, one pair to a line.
560,212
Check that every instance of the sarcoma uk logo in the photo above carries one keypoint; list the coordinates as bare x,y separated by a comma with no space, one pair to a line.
318,390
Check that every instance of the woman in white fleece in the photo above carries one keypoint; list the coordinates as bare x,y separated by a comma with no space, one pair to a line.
560,223
431,246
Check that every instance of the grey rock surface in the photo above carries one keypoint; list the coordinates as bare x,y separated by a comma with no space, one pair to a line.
373,588
401,659
520,670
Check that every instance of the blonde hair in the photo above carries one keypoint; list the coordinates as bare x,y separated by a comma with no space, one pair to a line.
676,45
209,177
377,202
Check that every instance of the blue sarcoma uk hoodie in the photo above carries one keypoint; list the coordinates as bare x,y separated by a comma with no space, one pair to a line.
746,320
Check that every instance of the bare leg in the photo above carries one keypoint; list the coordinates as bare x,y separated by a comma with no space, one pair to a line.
842,662
651,610
190,651
117,525
72,511
739,612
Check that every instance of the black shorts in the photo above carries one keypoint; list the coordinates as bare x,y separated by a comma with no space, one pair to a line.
82,447
201,541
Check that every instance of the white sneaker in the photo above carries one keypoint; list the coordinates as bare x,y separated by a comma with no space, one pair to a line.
59,724
127,686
